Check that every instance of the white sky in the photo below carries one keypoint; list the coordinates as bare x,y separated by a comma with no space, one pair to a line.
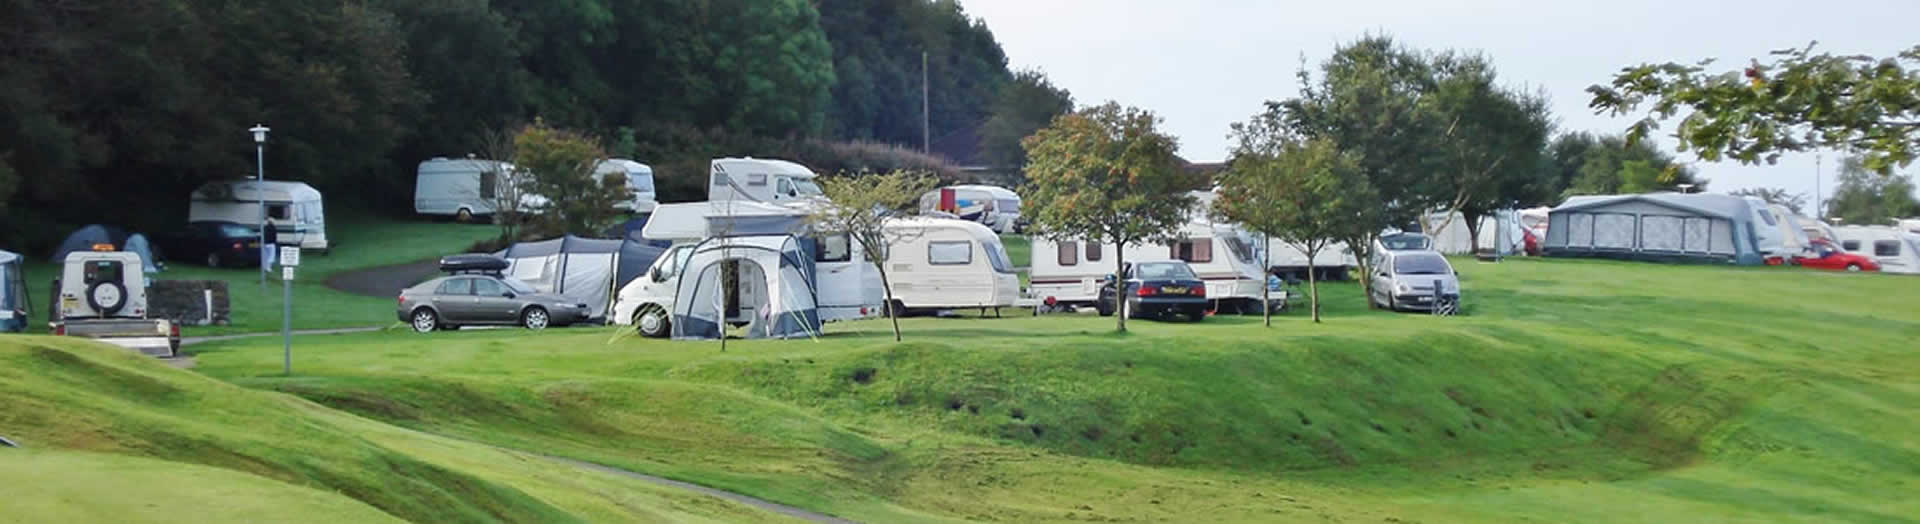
1203,64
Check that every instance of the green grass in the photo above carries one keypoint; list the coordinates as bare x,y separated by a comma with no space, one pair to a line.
1019,249
1575,390
358,243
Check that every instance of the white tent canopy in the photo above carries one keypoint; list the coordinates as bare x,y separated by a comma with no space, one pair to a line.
772,294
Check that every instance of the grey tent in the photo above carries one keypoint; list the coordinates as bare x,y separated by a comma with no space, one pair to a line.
586,269
1658,227
85,238
773,293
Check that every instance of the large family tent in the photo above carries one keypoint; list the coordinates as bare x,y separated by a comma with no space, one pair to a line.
1660,227
14,303
589,270
772,294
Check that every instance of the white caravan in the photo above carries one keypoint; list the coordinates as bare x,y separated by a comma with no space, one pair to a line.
1281,258
1070,272
847,285
639,182
1896,250
294,209
944,263
464,188
995,207
761,180
1773,234
1451,236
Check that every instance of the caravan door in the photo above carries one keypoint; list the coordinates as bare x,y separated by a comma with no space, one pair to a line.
846,284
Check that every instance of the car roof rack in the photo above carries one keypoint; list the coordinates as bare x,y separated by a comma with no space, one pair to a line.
473,264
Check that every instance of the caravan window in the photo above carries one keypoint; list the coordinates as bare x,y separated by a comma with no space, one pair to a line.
280,211
1093,252
997,255
954,253
757,179
1194,250
640,182
834,248
1240,249
1886,248
489,185
310,213
1069,253
1850,245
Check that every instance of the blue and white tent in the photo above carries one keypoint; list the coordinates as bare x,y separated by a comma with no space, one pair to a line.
773,296
1698,227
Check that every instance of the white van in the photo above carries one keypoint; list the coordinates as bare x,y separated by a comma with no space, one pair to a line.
1896,250
996,207
294,209
639,182
761,180
1071,272
460,188
846,283
944,263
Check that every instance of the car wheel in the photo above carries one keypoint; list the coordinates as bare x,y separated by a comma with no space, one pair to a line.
425,321
1196,315
652,322
1853,267
213,260
535,318
1102,307
463,216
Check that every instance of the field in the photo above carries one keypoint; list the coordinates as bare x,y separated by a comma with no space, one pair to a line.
1574,391
359,243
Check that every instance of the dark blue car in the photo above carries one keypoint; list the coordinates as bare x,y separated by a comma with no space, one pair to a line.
1157,290
215,243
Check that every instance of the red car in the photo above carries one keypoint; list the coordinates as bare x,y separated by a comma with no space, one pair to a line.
1827,256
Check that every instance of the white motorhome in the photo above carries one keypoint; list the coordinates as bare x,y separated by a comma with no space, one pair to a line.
944,263
761,180
1896,250
639,182
463,188
996,207
1071,272
846,283
293,209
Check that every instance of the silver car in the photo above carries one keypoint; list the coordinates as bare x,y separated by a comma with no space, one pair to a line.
484,300
1414,280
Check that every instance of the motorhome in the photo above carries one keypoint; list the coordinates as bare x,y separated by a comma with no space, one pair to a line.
944,263
466,188
995,207
1071,272
761,180
846,285
1896,250
293,209
639,179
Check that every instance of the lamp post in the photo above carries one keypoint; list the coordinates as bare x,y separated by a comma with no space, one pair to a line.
259,190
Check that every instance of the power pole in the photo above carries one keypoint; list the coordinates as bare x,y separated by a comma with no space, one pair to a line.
926,108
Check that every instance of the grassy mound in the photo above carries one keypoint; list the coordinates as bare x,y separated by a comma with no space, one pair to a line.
92,487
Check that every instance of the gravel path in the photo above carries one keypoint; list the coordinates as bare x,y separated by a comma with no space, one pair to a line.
383,281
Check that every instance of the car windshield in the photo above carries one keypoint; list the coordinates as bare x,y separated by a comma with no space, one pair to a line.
1163,271
807,187
1421,265
1405,241
517,286
640,181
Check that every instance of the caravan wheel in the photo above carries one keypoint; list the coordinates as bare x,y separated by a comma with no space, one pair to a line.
652,322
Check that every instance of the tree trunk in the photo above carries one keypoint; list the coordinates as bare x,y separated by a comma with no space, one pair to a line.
1119,288
1473,231
1362,249
1313,289
1266,291
887,285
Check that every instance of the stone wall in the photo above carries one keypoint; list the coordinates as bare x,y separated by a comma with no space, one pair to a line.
184,301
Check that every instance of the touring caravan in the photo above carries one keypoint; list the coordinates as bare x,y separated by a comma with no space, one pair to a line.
293,209
639,182
1070,272
995,207
1275,256
944,263
1896,250
761,180
465,188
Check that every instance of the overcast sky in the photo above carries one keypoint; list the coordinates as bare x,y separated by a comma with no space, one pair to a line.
1203,64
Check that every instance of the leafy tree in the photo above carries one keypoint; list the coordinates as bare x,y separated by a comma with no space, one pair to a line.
1489,151
1612,164
1865,198
1306,193
1023,106
1774,195
1799,101
559,165
860,208
877,51
1108,175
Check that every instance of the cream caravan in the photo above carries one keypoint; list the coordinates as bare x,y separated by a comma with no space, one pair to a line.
293,209
1070,272
945,263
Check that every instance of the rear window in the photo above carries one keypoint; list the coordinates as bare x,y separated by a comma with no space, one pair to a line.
1163,271
238,231
1421,265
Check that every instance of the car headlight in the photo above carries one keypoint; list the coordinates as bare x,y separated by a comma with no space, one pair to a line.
1403,288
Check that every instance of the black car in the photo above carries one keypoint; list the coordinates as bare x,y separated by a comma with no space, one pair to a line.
215,243
1157,290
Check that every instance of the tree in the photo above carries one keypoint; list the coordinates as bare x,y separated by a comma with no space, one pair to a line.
1612,164
877,55
1107,175
559,167
860,207
1306,193
1800,101
1774,195
1489,151
1023,106
1864,198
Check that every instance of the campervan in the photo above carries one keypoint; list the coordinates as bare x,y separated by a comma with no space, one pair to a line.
761,180
846,285
1896,250
293,209
639,182
995,207
1071,272
944,263
465,188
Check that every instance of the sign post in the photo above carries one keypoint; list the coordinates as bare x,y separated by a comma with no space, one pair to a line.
289,259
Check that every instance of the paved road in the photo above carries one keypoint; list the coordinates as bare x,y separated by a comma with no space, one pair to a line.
383,281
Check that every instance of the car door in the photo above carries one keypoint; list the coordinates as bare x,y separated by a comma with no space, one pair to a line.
1382,280
490,303
1826,258
454,299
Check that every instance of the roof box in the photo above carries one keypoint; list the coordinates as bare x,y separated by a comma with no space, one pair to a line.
472,264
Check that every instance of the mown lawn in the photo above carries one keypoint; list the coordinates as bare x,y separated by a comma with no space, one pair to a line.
358,243
1575,390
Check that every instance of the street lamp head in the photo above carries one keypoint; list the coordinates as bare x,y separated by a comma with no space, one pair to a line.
259,134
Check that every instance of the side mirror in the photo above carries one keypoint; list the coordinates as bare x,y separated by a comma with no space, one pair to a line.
508,294
1109,278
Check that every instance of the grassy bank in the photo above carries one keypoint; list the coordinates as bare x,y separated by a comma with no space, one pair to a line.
1578,390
